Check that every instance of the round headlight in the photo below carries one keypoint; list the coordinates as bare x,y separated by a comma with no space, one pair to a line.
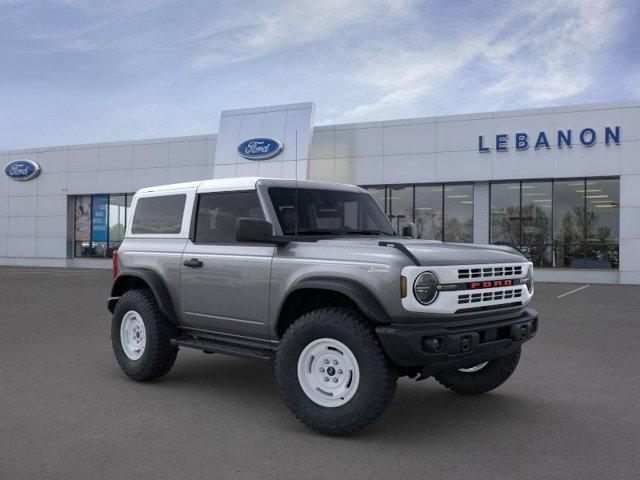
425,288
528,279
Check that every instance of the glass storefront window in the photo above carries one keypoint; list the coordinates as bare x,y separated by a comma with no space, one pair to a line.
82,226
603,223
99,232
117,221
99,249
400,201
505,214
569,223
440,212
563,223
99,223
568,256
568,212
458,213
536,222
603,211
428,212
117,217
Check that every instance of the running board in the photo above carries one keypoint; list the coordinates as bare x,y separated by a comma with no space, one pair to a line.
212,346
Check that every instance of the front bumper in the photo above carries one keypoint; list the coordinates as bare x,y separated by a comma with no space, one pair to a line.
455,347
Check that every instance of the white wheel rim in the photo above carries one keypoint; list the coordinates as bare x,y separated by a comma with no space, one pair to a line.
133,335
328,372
475,368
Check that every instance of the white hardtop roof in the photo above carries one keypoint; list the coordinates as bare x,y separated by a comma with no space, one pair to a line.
222,184
239,183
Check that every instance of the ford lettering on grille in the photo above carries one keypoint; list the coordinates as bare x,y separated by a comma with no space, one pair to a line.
490,284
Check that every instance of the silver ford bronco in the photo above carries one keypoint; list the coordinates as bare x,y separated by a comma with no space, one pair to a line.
312,277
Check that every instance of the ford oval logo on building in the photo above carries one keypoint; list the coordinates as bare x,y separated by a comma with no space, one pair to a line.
260,148
22,170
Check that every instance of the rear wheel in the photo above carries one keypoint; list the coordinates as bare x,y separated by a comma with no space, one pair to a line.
141,336
480,378
332,372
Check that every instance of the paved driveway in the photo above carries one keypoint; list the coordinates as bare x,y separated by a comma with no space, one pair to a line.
571,410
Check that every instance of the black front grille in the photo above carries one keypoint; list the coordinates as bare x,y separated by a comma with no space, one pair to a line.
486,272
488,307
479,297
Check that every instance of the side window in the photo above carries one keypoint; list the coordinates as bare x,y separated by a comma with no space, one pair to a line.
218,212
161,214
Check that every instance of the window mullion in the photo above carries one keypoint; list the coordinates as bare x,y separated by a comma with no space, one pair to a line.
584,239
442,190
520,215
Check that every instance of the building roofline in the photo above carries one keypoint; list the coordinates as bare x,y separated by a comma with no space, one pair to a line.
567,108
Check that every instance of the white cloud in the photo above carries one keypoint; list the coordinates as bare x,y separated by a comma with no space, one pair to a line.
112,5
398,98
287,25
554,63
358,59
543,52
405,76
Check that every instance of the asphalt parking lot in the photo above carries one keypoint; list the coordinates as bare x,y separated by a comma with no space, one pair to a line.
571,410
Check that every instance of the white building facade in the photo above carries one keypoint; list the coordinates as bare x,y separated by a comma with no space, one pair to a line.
560,184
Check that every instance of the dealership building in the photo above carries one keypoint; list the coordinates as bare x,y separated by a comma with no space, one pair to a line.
561,184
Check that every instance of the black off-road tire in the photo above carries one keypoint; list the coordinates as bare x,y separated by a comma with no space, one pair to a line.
494,374
378,376
159,355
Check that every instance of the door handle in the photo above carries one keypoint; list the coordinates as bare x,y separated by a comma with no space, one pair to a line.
193,263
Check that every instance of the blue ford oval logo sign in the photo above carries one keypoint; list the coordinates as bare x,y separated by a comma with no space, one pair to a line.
22,170
260,148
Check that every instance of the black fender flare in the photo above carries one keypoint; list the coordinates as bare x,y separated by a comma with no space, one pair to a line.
155,284
358,293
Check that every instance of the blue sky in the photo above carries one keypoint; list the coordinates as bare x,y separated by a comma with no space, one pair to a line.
76,71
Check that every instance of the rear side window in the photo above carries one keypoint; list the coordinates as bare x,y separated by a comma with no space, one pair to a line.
159,214
218,212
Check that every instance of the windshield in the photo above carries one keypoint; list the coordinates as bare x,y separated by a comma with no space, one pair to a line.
307,211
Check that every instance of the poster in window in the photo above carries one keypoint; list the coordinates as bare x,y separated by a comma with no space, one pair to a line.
83,218
99,218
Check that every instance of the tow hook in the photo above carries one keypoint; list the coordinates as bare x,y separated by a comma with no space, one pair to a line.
520,332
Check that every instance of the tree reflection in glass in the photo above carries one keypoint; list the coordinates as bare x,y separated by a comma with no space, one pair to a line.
536,222
428,211
400,201
458,213
505,213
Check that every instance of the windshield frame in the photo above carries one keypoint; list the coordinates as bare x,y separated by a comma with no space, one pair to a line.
376,216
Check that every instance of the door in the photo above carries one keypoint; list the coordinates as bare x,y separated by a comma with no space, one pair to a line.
225,284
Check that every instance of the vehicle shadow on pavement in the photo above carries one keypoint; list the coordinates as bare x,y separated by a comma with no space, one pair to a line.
417,407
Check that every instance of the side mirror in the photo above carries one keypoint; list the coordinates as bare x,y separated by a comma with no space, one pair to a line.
410,230
254,230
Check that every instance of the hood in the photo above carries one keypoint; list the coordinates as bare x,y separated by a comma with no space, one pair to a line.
438,253
434,253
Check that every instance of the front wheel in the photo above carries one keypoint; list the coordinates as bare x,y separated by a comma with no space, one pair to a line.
141,336
332,372
480,378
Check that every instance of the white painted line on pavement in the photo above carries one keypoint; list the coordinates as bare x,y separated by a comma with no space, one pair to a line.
54,274
71,274
573,291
